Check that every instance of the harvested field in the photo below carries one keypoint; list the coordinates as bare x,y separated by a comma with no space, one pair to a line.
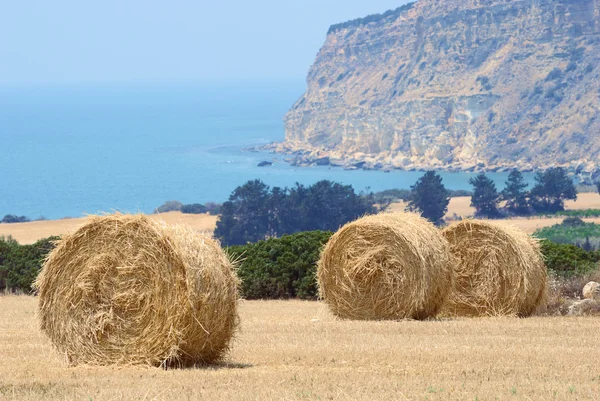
283,353
28,233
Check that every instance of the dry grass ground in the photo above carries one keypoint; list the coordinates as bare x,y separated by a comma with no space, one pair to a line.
297,350
28,233
461,206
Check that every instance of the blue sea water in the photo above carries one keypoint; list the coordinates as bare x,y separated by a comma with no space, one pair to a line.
66,151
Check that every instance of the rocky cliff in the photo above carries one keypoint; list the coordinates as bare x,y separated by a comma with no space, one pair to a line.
456,84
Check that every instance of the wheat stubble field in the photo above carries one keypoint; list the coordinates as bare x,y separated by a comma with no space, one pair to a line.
289,350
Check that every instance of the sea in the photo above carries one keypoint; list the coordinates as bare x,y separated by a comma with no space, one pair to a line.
71,150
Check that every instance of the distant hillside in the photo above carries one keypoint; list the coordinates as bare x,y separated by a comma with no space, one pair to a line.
456,84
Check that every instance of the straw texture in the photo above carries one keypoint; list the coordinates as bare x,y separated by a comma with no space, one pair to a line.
124,289
387,266
499,270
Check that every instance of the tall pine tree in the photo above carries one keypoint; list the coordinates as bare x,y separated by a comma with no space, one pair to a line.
485,197
430,197
552,188
515,195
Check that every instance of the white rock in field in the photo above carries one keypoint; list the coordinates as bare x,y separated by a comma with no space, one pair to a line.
592,290
585,307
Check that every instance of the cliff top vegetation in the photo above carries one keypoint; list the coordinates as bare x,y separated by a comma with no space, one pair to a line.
390,14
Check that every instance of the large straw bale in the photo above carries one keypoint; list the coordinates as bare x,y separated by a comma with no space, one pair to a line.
499,270
388,266
124,289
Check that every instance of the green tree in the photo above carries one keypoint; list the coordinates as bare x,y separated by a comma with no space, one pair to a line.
325,206
430,197
485,197
169,206
329,205
551,189
515,195
245,216
254,212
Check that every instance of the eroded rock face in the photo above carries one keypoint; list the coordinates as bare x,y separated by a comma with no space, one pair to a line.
458,84
592,290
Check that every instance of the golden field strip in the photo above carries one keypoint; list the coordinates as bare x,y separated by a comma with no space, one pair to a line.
28,233
293,350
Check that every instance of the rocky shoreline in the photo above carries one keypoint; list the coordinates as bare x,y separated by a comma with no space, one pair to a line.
585,172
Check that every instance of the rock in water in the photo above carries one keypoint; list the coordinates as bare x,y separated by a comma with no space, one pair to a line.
592,290
457,83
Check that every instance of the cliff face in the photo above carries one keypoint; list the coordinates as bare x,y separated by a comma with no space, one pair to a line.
457,84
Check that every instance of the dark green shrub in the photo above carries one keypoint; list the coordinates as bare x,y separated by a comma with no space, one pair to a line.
280,268
6,246
20,264
576,213
556,73
566,260
570,233
573,222
11,218
169,206
195,208
392,195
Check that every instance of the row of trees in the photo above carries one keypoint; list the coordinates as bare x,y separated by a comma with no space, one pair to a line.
255,211
194,208
552,187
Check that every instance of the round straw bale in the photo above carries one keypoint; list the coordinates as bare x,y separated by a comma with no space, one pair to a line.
125,289
385,267
499,270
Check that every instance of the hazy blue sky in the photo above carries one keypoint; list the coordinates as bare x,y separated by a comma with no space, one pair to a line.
58,41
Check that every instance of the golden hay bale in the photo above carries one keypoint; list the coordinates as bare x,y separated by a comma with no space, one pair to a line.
387,266
499,270
124,289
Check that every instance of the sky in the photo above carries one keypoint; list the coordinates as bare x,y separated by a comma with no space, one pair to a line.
137,41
